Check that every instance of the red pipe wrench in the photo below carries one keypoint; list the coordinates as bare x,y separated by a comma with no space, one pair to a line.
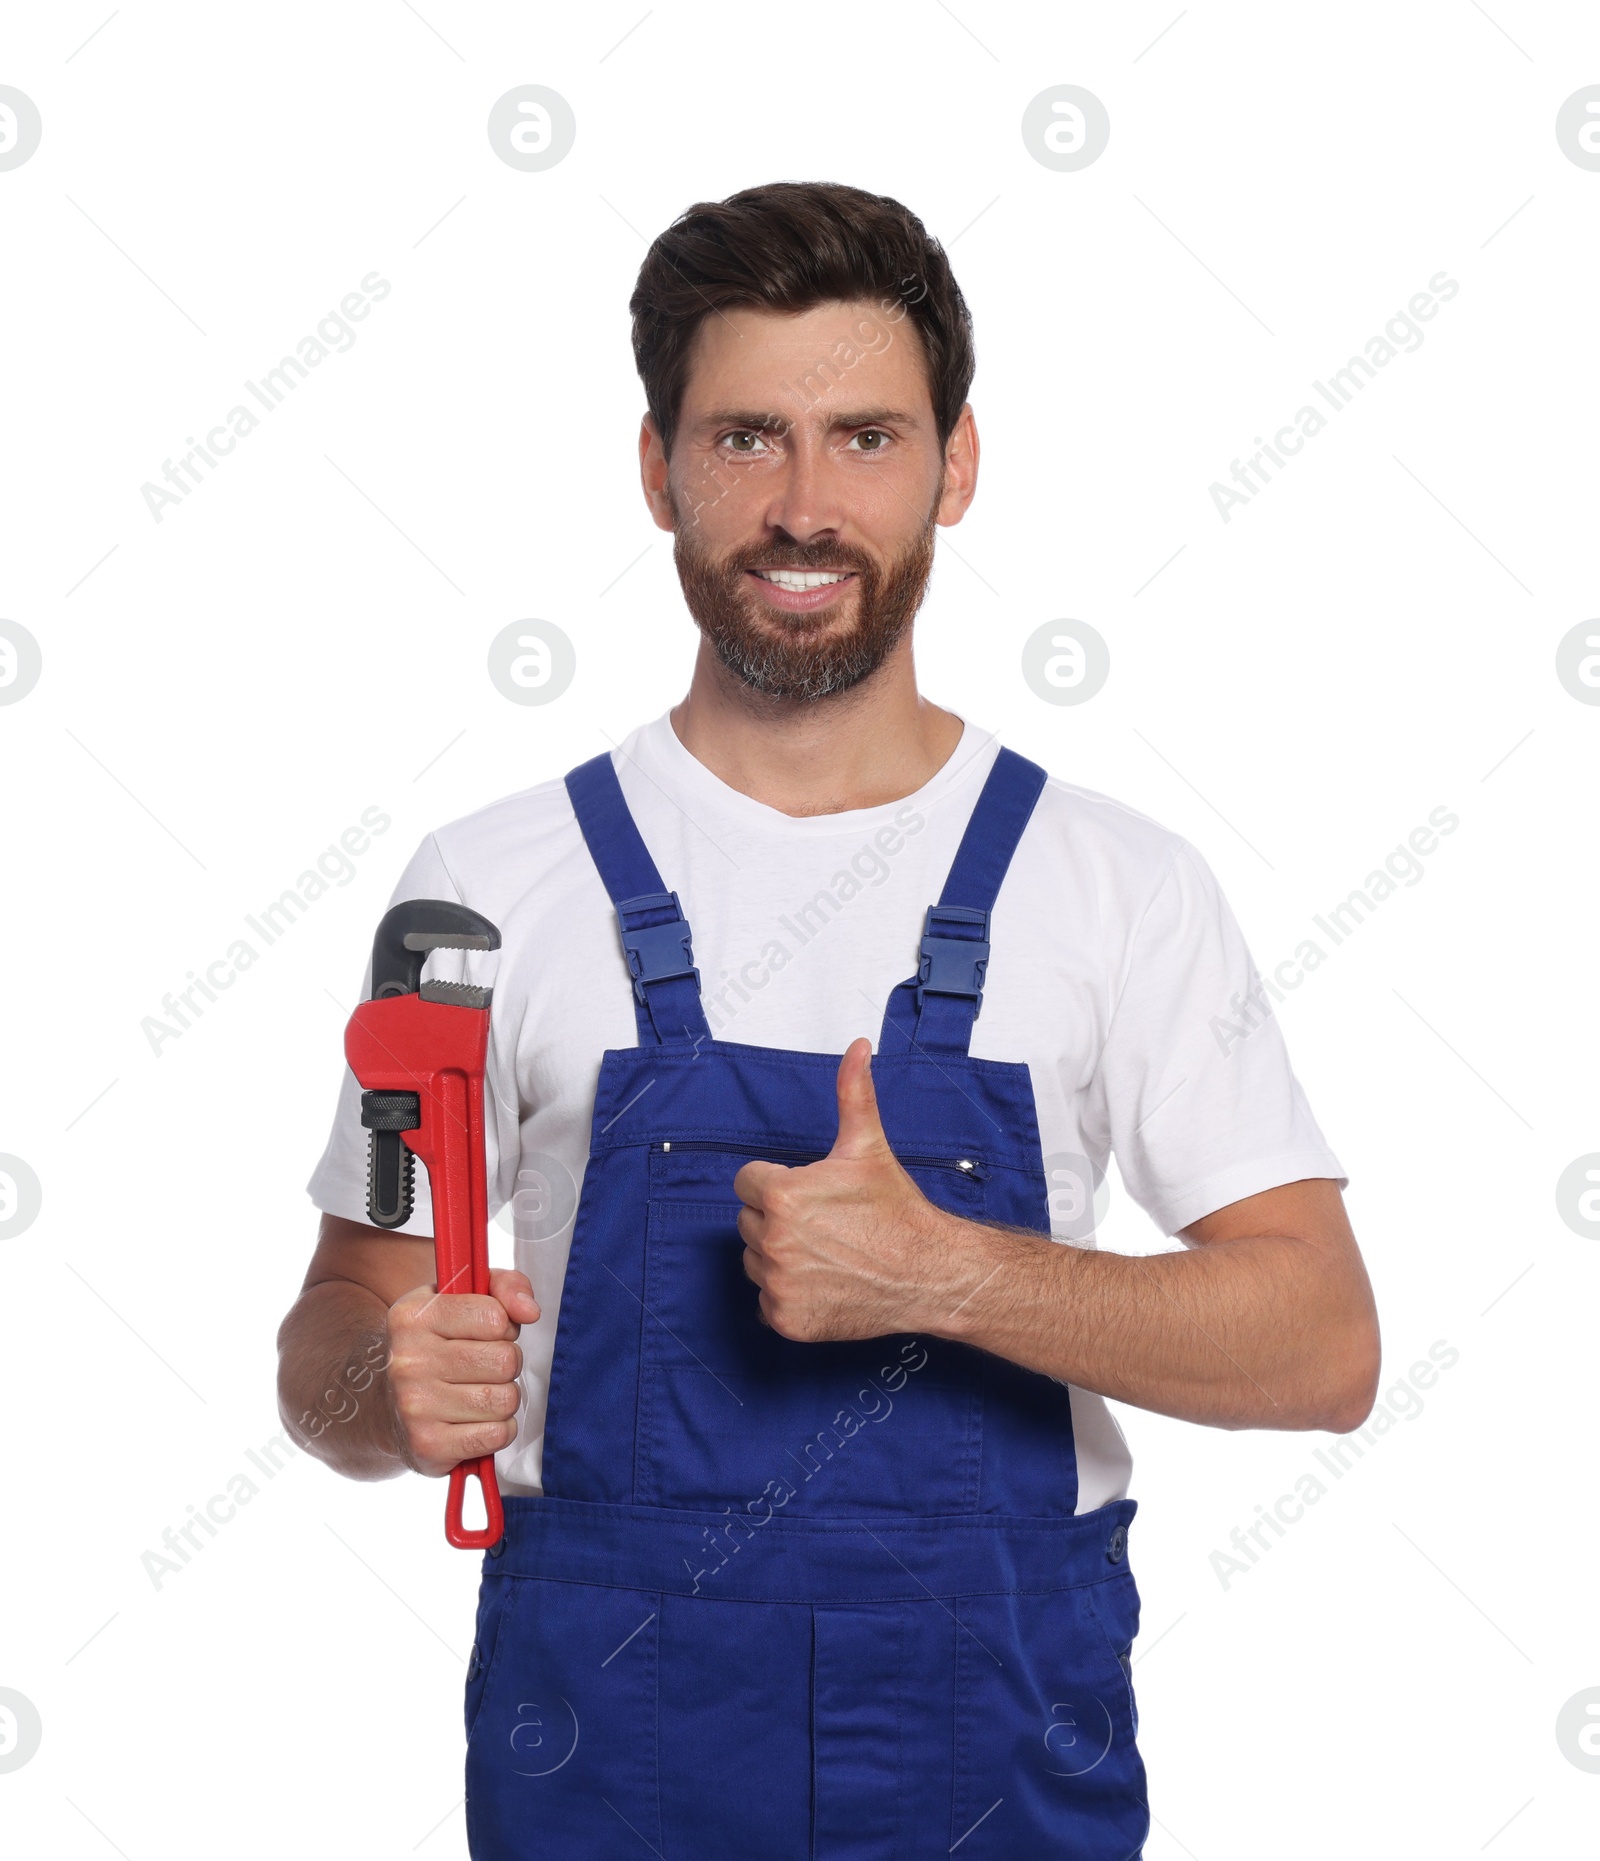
418,1049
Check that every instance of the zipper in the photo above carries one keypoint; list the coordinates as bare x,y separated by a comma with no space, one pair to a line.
965,1166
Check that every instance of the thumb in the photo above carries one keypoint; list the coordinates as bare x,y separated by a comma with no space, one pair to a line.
860,1128
515,1293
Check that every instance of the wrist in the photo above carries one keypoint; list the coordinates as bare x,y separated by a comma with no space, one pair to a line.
972,1257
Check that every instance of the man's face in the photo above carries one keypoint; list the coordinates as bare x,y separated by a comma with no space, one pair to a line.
805,481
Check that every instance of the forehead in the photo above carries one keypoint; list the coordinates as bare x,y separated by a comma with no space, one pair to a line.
775,359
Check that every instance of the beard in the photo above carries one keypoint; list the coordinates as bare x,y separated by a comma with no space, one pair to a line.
801,656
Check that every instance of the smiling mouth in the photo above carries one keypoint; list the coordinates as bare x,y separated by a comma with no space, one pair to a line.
798,581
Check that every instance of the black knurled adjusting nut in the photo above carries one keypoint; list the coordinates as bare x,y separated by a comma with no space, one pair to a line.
391,1111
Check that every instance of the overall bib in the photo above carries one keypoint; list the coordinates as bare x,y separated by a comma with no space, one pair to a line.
787,1601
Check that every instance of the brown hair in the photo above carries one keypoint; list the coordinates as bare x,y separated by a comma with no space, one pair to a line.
789,246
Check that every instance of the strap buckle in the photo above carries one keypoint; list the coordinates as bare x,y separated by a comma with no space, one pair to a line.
953,964
660,951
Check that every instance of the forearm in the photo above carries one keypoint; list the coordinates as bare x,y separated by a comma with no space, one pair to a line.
1266,1331
333,1386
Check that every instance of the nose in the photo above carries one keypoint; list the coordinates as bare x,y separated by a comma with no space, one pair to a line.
806,495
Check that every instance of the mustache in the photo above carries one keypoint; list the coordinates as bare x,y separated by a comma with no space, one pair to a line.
801,556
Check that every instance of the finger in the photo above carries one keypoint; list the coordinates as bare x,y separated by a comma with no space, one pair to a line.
515,1293
752,1226
755,1268
750,1185
436,1447
473,1402
453,1360
860,1129
466,1315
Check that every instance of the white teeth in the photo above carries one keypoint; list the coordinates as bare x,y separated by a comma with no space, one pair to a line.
798,580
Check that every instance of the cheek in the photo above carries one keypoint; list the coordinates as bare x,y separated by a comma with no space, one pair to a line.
722,477
891,498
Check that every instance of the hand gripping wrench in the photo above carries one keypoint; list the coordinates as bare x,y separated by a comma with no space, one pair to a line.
418,1049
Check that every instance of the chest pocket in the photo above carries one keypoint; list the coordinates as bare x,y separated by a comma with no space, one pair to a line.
732,1415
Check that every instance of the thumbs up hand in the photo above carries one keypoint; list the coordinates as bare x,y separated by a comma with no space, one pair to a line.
848,1247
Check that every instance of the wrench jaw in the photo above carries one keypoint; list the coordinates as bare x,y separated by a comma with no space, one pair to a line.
406,934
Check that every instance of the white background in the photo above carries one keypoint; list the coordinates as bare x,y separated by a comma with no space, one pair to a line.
223,693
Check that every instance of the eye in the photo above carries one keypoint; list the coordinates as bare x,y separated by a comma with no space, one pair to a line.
737,442
873,439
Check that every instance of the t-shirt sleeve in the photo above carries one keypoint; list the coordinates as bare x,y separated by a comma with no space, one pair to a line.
1201,1104
338,1184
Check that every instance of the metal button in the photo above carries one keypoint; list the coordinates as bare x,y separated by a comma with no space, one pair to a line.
1117,1545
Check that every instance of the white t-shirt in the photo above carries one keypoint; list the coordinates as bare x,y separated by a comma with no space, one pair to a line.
1113,954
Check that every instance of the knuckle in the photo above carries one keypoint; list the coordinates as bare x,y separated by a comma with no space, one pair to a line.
489,1363
492,1399
783,1316
488,1440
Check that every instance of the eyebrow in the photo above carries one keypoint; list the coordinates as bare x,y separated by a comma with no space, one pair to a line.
778,423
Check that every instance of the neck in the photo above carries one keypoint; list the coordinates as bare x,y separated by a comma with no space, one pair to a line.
876,743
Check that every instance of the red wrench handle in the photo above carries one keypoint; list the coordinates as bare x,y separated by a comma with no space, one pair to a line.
461,1259
460,1535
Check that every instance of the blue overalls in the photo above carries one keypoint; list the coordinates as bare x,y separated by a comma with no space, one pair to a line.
786,1600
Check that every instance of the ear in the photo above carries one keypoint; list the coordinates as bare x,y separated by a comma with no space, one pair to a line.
959,484
653,474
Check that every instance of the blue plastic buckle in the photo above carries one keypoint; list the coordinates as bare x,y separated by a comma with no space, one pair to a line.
953,965
656,952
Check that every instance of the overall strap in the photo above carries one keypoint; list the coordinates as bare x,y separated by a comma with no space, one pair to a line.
655,933
933,1011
